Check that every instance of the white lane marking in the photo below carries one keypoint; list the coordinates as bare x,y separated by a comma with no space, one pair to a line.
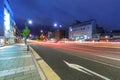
101,62
7,58
75,66
17,70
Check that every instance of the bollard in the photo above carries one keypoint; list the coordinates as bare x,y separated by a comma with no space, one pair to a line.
28,48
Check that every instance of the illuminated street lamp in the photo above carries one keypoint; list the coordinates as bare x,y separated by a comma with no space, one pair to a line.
41,31
60,25
55,24
30,21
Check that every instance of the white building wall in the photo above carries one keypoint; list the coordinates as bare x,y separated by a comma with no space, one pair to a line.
81,32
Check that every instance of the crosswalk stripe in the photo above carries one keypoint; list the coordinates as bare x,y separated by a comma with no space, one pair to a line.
17,70
7,58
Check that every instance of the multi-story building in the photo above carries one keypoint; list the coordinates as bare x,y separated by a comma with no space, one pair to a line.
59,34
7,23
82,31
50,35
115,35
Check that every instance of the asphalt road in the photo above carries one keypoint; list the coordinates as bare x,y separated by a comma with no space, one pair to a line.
79,62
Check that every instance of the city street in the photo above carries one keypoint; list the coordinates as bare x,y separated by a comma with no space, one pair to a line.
80,62
59,40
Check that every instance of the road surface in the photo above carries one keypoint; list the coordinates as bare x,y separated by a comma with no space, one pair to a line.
80,62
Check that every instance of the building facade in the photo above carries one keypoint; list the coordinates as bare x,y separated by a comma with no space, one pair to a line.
7,23
59,34
82,31
115,35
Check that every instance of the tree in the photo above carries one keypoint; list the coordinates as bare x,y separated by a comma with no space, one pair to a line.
25,33
42,37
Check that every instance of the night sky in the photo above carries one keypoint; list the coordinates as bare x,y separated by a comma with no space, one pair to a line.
46,12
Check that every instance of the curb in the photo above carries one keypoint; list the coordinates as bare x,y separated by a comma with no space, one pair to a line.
39,69
44,69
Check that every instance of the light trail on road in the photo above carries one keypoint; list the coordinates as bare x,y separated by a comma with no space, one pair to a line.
100,53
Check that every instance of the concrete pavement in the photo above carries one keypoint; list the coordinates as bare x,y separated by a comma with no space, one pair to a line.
16,63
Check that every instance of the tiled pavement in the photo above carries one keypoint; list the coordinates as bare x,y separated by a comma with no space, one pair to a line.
17,64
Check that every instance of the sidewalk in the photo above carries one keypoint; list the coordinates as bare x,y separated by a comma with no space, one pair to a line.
17,64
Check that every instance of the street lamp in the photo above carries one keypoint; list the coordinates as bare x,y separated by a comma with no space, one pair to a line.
60,25
55,24
58,32
41,31
30,21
